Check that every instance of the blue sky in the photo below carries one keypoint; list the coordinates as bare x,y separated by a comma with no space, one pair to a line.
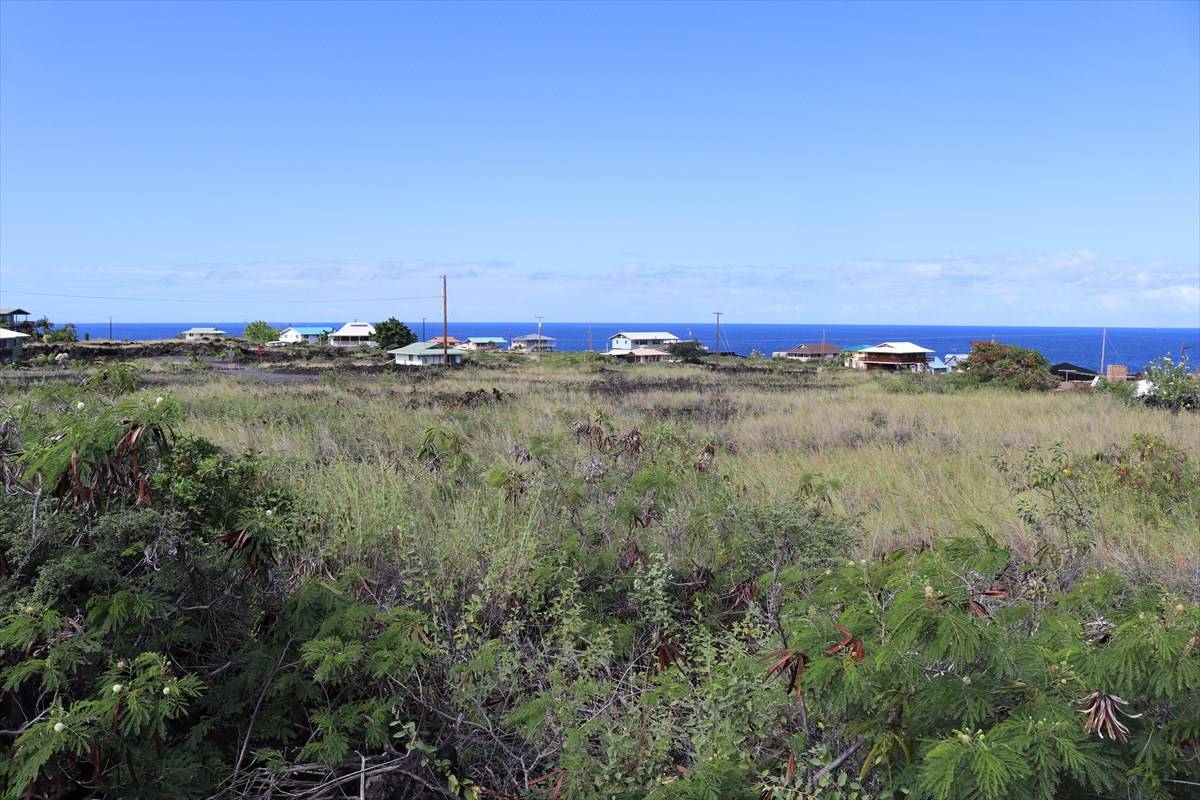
955,163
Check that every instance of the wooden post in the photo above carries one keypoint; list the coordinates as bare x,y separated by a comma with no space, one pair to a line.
445,327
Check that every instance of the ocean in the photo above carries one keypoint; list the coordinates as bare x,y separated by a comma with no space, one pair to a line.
1134,347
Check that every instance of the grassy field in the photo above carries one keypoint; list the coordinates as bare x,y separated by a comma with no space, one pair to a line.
914,466
564,579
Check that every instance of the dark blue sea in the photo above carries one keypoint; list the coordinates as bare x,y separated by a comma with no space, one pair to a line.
1134,347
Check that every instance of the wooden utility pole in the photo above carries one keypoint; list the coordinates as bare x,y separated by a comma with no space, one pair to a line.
718,314
1103,343
110,328
537,346
423,339
445,327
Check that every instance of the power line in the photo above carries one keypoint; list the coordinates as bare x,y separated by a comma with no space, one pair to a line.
224,300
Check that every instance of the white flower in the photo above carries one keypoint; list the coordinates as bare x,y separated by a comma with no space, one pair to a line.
117,688
158,400
929,592
59,727
270,513
29,609
166,690
79,405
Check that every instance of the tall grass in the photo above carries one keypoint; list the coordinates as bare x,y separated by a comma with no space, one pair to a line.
915,467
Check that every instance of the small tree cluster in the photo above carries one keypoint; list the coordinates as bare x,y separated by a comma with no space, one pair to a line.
260,331
392,333
993,363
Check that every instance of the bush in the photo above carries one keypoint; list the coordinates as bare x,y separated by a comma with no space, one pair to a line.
63,335
1175,386
260,331
1005,365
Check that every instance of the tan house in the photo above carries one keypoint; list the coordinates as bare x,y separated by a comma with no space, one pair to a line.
893,357
641,355
809,352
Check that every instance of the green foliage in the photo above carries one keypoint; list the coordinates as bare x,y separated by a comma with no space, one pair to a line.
260,331
117,379
1175,386
964,673
392,333
690,351
1005,365
63,335
605,605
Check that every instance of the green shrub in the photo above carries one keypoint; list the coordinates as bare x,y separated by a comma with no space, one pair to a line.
1005,365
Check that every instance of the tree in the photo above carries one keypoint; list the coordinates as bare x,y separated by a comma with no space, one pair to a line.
61,335
1008,365
392,333
689,351
260,331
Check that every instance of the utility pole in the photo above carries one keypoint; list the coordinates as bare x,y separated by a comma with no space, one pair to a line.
822,338
718,314
1103,343
445,327
590,339
423,339
110,327
538,344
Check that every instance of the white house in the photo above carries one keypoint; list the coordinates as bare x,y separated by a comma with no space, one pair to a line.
304,335
353,334
426,354
10,345
533,343
631,340
196,334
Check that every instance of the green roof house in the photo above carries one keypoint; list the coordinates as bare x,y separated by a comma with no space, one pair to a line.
425,354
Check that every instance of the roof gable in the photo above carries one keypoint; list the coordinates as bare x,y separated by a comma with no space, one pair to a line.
897,347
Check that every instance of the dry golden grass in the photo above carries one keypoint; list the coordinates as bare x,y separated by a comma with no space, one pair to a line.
914,466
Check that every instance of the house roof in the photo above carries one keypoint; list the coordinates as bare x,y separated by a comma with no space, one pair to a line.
533,337
486,339
309,330
897,347
356,329
1066,368
644,335
438,340
6,311
958,356
820,349
858,348
937,363
644,351
5,333
425,348
205,330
